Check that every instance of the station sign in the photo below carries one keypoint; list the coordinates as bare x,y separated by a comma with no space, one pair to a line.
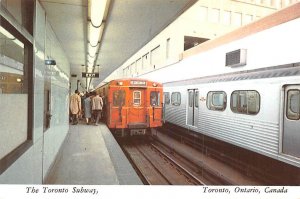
90,74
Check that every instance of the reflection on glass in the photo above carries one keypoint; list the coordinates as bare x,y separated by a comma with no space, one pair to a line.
12,75
167,97
216,100
13,92
154,98
137,98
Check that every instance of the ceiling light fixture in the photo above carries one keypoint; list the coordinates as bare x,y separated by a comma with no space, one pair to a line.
97,13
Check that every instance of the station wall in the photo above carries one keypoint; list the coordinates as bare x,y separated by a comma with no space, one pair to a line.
50,91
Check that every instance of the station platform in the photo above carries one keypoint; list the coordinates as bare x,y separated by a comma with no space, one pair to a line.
90,155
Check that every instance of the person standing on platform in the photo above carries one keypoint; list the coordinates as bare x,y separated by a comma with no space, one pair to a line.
97,104
88,108
75,106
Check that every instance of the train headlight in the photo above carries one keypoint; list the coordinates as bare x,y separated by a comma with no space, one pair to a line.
154,84
120,83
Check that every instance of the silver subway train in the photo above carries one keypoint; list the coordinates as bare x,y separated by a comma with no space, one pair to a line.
242,88
257,110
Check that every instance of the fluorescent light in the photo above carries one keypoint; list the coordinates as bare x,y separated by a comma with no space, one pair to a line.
94,34
95,28
97,11
92,50
89,69
90,61
90,64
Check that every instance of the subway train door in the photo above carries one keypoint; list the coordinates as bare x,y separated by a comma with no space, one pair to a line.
291,122
137,109
192,107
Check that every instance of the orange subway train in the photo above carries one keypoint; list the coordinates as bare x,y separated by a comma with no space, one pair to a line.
132,106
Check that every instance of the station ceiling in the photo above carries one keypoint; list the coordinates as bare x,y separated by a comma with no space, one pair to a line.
130,24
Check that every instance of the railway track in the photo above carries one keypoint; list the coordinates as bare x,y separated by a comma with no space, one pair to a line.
163,160
156,167
159,164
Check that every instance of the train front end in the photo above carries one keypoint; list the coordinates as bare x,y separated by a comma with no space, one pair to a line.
135,106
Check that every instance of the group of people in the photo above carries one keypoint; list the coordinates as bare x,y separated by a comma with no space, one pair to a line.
89,106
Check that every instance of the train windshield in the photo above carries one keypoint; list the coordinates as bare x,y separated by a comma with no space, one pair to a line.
154,98
119,98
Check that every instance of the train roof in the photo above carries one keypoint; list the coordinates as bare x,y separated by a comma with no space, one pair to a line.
133,82
133,79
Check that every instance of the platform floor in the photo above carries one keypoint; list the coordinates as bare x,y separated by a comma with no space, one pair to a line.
90,155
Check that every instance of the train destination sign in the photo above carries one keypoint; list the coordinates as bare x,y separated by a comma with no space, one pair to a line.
137,83
90,74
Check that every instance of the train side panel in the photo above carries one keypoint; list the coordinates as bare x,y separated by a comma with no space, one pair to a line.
262,132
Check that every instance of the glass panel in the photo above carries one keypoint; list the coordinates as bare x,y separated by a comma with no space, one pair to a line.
253,102
137,98
226,19
216,100
167,98
13,92
197,99
155,56
119,98
191,98
293,105
14,8
237,19
242,102
214,15
234,100
154,98
246,102
176,99
12,74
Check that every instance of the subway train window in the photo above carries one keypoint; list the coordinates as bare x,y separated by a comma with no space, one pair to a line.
197,99
137,98
154,98
191,99
176,99
119,98
245,102
15,93
293,105
166,97
216,100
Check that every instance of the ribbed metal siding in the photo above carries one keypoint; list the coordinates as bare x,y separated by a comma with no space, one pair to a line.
260,136
176,115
